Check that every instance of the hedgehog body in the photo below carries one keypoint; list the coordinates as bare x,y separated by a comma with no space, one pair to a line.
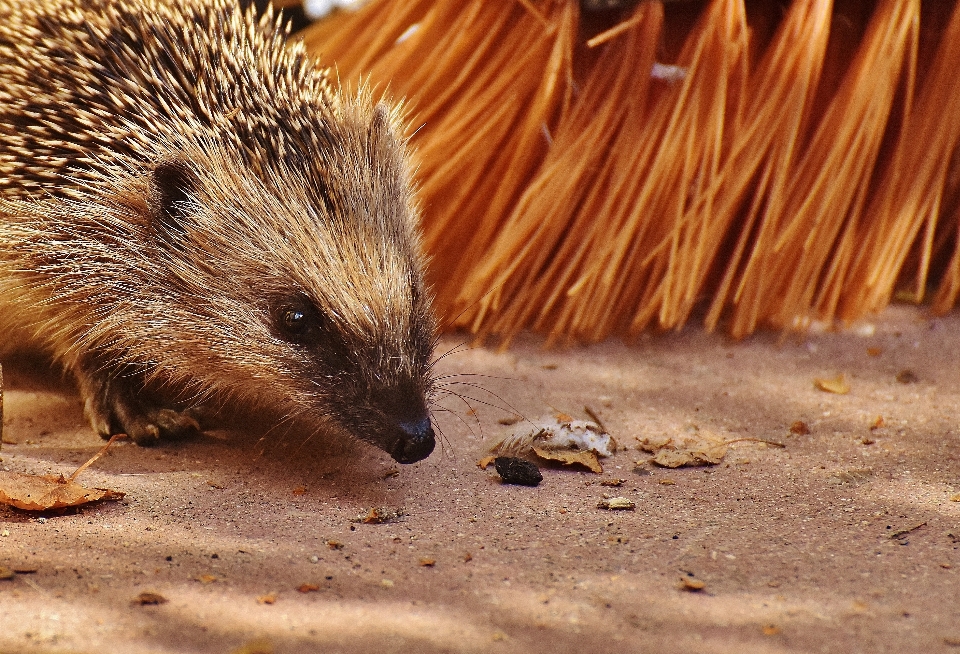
191,213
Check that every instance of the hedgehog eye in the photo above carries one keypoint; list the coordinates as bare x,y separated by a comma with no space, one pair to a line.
296,321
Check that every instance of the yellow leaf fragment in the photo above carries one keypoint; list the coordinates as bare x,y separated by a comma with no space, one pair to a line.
486,461
692,584
836,385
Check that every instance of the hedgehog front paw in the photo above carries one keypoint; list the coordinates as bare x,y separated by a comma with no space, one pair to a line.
119,405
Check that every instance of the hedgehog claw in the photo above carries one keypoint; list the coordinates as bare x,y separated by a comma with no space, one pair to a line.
117,405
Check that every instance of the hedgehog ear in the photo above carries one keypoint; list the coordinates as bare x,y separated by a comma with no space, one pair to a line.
172,182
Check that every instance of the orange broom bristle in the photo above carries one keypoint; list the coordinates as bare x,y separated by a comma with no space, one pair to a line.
801,168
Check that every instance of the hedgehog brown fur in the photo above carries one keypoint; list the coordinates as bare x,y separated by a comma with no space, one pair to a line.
190,212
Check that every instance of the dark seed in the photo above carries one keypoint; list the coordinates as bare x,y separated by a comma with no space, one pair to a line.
517,471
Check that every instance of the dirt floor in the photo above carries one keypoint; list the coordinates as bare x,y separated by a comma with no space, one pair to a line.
845,540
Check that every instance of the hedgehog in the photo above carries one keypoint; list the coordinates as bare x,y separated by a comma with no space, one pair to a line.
194,214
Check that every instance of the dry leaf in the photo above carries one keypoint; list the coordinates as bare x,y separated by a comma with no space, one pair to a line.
486,461
207,579
692,584
836,385
308,588
269,598
693,449
771,630
800,428
586,458
907,377
46,492
148,598
427,562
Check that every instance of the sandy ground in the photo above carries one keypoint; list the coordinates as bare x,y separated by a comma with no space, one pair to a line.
846,540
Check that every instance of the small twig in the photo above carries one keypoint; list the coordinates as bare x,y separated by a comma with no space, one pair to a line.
596,418
904,532
755,440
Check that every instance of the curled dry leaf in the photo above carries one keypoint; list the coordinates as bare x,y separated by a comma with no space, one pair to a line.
688,449
837,385
48,492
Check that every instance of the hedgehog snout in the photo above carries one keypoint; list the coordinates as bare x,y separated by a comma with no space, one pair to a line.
414,441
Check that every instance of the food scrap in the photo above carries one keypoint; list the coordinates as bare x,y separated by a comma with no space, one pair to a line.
379,515
513,470
616,504
559,438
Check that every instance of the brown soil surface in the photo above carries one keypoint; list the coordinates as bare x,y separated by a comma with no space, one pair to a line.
845,540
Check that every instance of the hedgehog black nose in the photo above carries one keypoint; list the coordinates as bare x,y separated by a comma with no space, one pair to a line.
415,443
